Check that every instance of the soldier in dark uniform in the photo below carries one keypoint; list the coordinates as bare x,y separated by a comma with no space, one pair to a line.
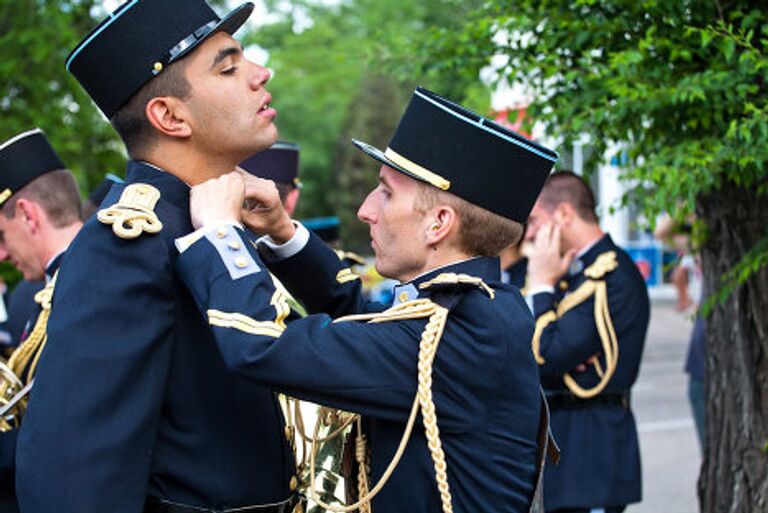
437,228
591,308
134,409
39,217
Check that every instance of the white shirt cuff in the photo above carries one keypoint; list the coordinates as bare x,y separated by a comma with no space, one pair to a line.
539,289
289,248
184,243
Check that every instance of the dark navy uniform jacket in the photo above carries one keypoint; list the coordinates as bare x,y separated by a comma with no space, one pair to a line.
132,398
24,304
600,456
485,381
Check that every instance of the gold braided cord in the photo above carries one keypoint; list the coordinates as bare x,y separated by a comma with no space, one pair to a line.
430,339
609,342
31,349
597,287
426,358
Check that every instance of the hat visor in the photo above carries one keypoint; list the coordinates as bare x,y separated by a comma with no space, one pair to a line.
229,24
379,155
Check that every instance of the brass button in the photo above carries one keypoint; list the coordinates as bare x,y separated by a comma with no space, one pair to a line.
403,297
235,245
293,484
241,262
221,232
288,432
563,285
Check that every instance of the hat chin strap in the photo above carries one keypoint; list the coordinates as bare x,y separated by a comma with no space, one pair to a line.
191,39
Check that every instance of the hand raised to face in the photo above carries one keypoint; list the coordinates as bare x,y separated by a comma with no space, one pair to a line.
546,262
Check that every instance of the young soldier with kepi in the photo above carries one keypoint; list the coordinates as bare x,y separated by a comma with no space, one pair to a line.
133,409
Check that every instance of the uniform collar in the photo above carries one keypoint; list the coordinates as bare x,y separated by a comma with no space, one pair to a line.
171,188
486,268
590,254
53,266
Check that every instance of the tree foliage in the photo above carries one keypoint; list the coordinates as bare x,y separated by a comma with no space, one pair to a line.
37,91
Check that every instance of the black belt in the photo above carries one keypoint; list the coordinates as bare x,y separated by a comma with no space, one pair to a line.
154,505
564,400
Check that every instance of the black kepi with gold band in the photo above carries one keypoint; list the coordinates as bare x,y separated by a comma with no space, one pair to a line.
138,40
459,151
279,163
22,159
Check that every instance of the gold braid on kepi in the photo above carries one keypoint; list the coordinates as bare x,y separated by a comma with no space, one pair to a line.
25,358
594,286
430,339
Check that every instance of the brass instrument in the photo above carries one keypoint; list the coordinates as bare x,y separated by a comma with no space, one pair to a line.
17,375
10,386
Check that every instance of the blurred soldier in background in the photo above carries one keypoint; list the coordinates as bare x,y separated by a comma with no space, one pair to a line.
40,216
591,305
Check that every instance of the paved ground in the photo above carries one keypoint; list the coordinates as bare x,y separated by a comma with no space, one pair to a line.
670,451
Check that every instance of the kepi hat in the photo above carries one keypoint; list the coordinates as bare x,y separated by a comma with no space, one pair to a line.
139,40
279,163
23,158
456,150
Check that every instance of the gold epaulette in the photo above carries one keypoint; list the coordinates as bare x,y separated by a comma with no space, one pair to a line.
354,258
134,213
446,280
594,286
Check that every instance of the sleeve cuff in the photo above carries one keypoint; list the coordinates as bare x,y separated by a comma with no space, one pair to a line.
287,249
183,243
540,289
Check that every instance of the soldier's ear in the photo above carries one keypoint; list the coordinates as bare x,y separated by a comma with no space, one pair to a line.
564,214
26,210
168,116
442,223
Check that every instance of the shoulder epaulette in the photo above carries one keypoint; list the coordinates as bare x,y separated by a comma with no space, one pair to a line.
458,281
603,264
134,213
350,256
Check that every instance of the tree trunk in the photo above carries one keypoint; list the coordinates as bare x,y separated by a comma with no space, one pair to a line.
734,474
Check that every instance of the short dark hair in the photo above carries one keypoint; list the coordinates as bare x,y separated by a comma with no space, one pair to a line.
283,189
568,187
131,122
56,192
481,232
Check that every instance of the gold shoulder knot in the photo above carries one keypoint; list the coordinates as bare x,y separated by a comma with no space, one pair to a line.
445,280
351,256
44,296
604,264
134,214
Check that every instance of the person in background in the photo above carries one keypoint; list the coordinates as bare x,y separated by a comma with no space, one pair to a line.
514,265
279,163
39,218
591,305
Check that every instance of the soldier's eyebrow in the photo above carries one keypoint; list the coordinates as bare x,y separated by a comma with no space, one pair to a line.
224,53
